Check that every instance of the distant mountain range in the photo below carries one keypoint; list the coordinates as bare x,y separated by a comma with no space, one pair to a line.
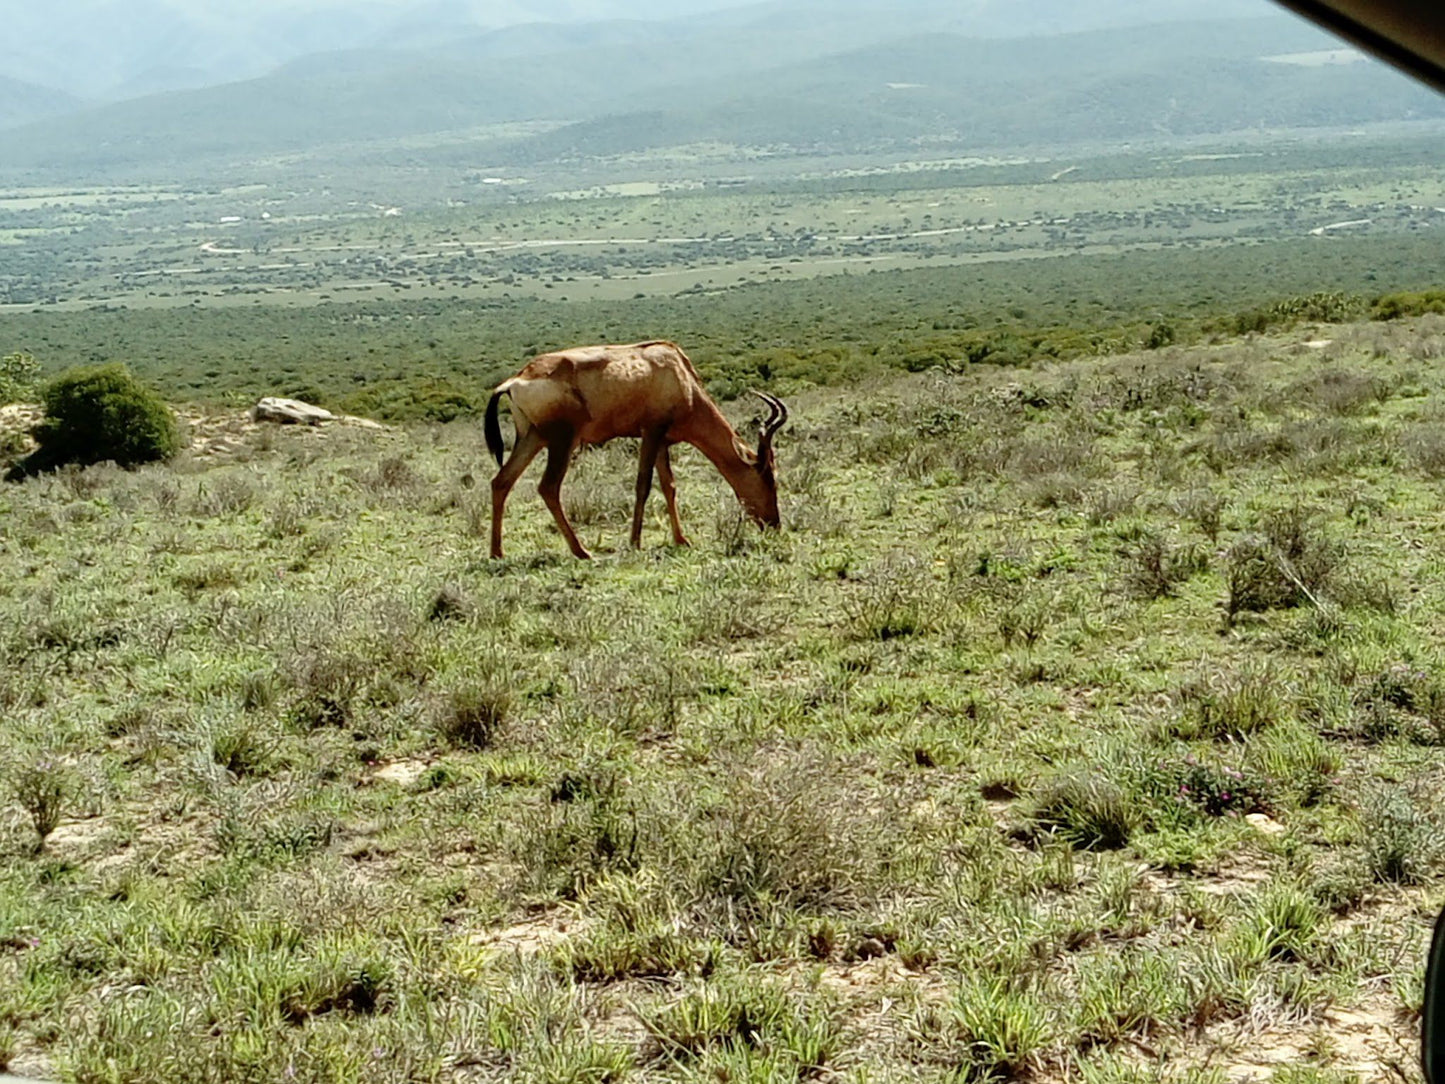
109,50
849,74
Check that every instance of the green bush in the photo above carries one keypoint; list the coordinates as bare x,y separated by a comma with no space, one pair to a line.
18,374
1320,307
1088,810
101,413
1394,306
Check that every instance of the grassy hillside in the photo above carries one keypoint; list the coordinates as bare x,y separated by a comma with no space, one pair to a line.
1083,722
22,103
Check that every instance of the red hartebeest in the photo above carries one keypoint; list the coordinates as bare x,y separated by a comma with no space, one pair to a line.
591,394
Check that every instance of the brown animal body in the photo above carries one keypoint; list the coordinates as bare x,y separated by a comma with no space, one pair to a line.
590,394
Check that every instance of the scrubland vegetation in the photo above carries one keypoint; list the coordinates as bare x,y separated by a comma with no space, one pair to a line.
1082,723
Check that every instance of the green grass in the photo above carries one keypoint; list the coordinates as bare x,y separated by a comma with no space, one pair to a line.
1084,718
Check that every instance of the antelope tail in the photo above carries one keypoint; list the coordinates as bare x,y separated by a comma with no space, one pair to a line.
493,428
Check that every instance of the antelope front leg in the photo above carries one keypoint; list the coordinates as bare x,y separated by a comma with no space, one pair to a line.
669,494
646,457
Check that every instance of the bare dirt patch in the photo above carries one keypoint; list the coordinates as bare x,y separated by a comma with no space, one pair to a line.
530,937
401,772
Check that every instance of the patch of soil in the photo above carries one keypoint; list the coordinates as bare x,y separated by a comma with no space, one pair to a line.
1369,1040
530,937
217,436
401,772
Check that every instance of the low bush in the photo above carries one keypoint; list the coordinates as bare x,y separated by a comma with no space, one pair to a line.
1153,567
1401,840
1292,561
102,413
1088,810
19,373
1395,306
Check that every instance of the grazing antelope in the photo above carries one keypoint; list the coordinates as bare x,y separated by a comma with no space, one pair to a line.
591,394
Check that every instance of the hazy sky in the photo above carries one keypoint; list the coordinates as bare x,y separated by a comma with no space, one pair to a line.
112,48
108,49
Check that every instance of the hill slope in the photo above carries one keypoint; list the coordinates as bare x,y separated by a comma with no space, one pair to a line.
24,103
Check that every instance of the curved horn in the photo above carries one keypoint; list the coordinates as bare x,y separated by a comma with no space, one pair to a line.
777,418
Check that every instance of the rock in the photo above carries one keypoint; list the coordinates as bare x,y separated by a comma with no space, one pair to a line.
360,423
1264,823
289,412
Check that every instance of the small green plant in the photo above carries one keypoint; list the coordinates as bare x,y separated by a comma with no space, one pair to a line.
1000,1028
242,747
1290,562
335,984
43,787
1283,925
656,951
1401,841
1402,701
1229,706
752,1027
451,603
473,717
102,413
1087,809
586,830
1155,568
892,601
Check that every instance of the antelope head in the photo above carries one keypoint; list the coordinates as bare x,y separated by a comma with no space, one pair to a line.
759,490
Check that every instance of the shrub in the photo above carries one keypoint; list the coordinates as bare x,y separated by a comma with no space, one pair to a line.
18,374
474,716
1160,335
1321,307
1191,786
1401,841
101,413
1154,568
1088,810
785,834
1394,306
42,788
1229,706
1292,563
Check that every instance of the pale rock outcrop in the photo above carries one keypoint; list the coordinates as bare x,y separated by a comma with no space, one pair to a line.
289,412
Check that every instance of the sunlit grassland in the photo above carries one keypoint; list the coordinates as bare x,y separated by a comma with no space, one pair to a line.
390,234
1083,722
